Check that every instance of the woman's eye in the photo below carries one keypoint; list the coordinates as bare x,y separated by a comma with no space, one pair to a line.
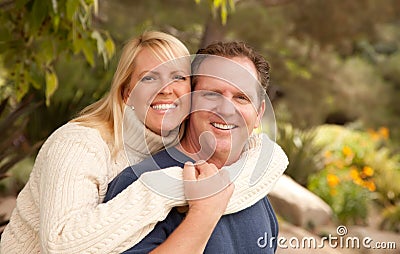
147,78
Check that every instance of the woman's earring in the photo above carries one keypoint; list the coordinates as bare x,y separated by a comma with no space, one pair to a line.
132,107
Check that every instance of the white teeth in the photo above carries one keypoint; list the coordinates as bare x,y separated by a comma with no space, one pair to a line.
163,106
223,126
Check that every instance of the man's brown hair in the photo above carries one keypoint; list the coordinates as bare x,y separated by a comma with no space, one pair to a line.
236,49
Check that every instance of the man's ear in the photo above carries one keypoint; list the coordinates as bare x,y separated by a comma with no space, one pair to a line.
260,114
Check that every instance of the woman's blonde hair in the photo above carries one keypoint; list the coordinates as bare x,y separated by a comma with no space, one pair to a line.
106,115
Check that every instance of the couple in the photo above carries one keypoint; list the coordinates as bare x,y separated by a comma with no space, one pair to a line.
60,209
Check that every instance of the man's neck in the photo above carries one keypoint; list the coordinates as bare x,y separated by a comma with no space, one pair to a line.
192,148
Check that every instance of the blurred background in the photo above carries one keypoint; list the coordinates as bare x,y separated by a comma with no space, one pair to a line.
335,84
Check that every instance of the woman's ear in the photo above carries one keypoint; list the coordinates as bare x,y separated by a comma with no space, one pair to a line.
125,93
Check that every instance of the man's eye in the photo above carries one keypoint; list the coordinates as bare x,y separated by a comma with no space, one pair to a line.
211,95
242,99
147,79
179,78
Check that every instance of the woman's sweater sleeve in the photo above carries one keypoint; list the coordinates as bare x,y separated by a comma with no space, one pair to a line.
73,173
256,172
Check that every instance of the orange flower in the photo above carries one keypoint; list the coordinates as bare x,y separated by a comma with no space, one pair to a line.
369,185
384,132
374,135
333,180
368,171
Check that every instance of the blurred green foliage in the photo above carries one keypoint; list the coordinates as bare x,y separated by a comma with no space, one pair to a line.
14,146
34,35
303,154
391,218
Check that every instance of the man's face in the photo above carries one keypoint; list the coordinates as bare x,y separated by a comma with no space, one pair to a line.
226,113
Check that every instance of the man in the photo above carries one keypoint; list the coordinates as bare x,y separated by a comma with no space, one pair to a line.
227,105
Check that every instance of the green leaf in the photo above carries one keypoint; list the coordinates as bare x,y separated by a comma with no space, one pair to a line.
217,3
38,15
46,54
224,13
77,45
100,42
35,78
72,8
232,5
22,89
51,84
88,48
56,23
110,47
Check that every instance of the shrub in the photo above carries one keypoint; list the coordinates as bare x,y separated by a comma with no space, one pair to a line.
303,154
357,169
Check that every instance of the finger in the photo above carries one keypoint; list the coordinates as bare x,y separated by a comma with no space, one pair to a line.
189,172
225,176
230,188
206,169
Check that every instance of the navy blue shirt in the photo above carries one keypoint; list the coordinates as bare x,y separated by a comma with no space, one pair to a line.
252,230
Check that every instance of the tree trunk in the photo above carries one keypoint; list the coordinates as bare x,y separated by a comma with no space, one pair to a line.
214,31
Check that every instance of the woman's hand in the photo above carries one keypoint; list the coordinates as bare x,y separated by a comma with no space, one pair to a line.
208,191
207,188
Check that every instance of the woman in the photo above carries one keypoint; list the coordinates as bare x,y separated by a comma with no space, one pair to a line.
60,209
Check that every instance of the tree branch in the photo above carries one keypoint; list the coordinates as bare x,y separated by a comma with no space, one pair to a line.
5,4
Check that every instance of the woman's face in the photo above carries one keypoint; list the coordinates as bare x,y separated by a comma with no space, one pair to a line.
160,91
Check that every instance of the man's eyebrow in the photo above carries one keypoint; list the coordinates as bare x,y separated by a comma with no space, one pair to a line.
244,94
214,90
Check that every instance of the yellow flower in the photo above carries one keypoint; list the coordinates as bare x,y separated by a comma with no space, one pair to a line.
333,180
347,151
368,171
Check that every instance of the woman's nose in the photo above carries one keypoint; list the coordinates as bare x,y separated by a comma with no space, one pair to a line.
167,89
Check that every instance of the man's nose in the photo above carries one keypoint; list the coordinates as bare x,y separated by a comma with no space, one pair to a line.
225,107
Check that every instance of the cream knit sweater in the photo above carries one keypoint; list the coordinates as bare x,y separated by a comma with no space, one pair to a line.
60,209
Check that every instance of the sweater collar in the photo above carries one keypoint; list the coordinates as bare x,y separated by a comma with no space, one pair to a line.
139,141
